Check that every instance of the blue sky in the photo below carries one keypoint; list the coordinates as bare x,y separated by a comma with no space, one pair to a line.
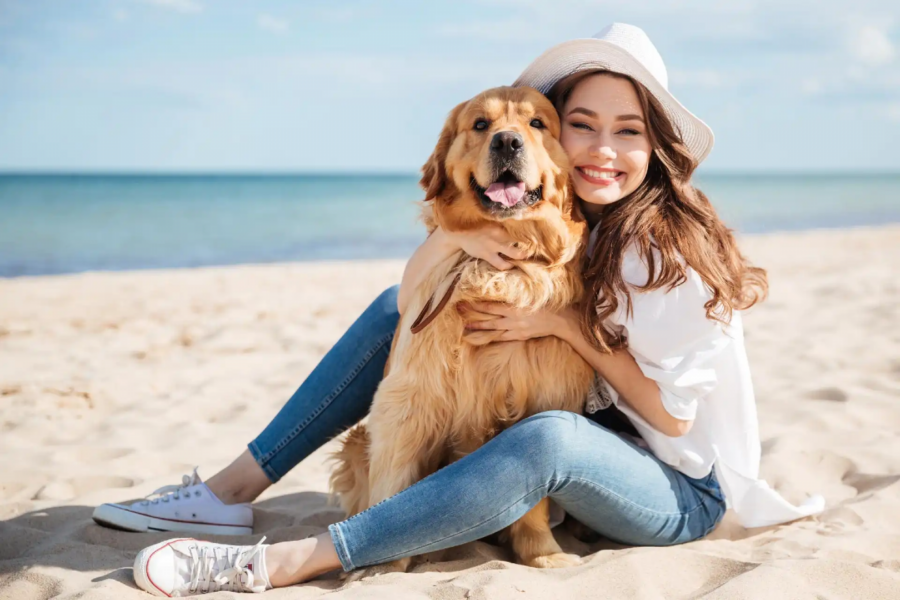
258,85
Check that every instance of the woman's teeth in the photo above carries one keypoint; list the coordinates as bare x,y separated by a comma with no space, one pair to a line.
600,174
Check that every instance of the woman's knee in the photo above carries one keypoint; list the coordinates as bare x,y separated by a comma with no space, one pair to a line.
382,312
386,302
551,434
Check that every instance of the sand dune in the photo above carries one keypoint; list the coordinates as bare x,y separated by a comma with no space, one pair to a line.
114,384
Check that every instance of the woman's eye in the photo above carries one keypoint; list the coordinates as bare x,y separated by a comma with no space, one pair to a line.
481,124
630,132
537,123
580,125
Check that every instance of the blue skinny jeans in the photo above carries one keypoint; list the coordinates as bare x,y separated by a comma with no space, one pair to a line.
613,486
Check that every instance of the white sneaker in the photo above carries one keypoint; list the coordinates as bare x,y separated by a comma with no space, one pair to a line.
189,507
185,567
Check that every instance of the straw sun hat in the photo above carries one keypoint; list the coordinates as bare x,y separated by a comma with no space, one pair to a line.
627,50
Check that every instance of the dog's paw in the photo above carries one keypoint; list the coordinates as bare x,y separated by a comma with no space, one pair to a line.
557,560
395,566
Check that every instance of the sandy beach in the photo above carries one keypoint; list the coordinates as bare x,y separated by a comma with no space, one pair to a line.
115,384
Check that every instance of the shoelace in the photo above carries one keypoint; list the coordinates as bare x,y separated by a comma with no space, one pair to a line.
234,575
173,491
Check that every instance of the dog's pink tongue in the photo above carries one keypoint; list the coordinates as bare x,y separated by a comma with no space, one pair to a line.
507,194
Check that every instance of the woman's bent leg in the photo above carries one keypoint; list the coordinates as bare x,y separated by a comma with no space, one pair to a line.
606,482
336,395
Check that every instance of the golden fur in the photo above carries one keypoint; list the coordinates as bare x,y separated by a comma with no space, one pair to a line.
447,391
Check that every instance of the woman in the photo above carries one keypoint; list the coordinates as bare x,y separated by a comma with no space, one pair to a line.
664,333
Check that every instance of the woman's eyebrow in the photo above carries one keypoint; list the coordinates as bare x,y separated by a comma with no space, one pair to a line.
593,115
583,111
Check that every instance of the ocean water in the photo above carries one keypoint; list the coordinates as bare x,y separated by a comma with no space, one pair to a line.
72,223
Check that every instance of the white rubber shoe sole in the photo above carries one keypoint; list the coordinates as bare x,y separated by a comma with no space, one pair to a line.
122,517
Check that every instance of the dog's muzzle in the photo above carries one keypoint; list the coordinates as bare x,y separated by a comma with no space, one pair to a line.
506,195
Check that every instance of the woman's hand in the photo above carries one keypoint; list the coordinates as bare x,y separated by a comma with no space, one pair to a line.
490,243
618,368
515,323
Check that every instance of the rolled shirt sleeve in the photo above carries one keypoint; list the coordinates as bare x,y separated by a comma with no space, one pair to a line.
672,340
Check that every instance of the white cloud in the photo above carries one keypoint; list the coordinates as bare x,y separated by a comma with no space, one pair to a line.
893,112
811,86
273,24
871,45
182,6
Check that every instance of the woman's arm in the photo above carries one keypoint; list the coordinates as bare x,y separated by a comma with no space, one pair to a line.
622,372
490,243
432,252
619,369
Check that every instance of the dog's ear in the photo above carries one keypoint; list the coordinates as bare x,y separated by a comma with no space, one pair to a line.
434,174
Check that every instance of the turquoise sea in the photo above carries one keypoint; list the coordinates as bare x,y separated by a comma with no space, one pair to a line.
72,223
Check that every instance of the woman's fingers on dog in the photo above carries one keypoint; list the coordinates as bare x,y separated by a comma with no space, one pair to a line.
508,248
499,262
505,244
512,336
493,308
469,314
496,323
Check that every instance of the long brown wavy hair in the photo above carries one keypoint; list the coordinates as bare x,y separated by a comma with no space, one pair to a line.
666,219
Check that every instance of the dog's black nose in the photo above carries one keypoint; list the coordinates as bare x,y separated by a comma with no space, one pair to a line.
507,144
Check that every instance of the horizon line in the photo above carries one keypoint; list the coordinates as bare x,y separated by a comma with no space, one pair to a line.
378,173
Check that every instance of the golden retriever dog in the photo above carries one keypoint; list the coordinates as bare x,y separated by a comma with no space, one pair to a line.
448,390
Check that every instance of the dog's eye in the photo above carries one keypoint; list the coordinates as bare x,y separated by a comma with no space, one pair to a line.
537,123
480,124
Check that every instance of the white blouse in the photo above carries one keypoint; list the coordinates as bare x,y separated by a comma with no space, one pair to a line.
702,371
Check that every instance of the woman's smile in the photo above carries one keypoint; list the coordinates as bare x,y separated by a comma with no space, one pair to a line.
601,176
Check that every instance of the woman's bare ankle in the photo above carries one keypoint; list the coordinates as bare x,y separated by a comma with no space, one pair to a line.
290,563
241,481
228,495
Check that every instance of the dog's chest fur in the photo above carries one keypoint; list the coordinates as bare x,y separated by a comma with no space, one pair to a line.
484,386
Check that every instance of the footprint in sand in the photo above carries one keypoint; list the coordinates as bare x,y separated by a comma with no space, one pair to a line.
865,482
890,565
832,394
84,485
837,519
895,370
9,489
79,486
766,446
775,548
90,454
10,390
